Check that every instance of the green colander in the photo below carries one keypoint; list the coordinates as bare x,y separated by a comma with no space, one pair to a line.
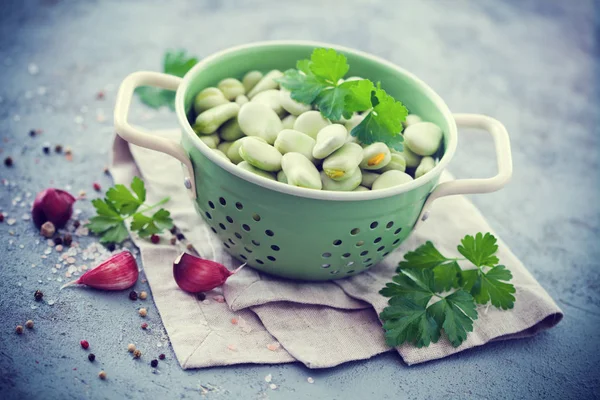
295,232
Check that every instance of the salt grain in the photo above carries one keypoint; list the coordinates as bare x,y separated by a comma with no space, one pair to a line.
273,386
232,347
268,378
71,260
273,346
21,246
310,380
33,69
25,217
11,221
50,302
59,248
78,120
205,301
219,299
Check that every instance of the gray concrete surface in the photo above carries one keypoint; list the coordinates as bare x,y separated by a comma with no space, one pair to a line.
532,64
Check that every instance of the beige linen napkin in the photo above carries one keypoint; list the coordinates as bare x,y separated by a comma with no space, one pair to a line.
271,320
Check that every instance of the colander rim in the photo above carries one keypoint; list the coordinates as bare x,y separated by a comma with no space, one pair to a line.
304,192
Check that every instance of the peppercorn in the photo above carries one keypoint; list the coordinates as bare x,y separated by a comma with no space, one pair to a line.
154,363
173,229
133,295
106,171
46,149
155,239
58,148
1,217
131,347
173,240
144,326
91,357
19,329
48,229
57,240
97,186
102,375
110,247
38,295
143,312
29,324
68,239
84,344
143,295
8,161
76,224
32,133
201,296
161,356
180,236
137,353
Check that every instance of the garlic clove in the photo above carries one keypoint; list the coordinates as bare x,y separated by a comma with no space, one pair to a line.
119,272
193,274
52,205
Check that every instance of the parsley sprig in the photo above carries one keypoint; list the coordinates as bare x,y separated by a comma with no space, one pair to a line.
420,306
176,63
121,205
318,82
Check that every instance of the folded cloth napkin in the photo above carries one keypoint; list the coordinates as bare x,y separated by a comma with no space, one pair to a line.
270,320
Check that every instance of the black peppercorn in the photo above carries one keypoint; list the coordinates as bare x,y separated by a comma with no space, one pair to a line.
110,247
154,363
32,133
46,149
38,295
91,357
173,230
201,296
68,239
57,240
8,161
76,224
133,295
180,236
58,148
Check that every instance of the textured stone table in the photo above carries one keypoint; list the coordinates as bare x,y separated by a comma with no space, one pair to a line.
532,64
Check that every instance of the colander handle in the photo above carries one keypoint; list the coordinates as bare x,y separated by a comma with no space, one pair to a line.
470,186
144,138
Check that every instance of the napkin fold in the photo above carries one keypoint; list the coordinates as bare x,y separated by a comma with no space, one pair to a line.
271,320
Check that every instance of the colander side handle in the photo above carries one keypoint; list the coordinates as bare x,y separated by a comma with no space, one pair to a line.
470,186
144,138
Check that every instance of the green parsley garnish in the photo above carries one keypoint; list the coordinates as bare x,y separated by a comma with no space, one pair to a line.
174,63
425,274
317,82
120,205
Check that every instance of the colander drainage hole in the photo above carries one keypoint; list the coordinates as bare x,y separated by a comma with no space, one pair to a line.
397,231
351,263
355,231
238,235
269,232
337,242
381,248
396,241
386,253
366,260
211,205
246,227
243,257
275,247
208,215
222,201
377,240
389,224
248,250
271,258
261,262
256,217
229,219
212,228
326,255
364,253
226,245
239,206
334,272
350,272
360,243
369,266
325,265
374,224
232,242
222,226
256,243
345,255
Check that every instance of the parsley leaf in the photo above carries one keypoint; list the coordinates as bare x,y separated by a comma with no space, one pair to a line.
409,321
303,88
490,286
455,314
121,204
329,65
359,96
175,62
331,102
446,271
480,249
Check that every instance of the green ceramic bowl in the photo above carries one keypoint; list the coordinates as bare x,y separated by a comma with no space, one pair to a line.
295,232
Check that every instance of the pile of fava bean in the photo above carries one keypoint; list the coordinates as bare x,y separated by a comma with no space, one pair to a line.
256,125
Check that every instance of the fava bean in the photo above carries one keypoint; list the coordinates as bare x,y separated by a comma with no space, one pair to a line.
210,120
257,171
290,140
311,122
224,147
258,119
241,99
211,140
426,165
220,153
361,189
346,185
300,171
368,178
208,98
231,88
288,122
375,156
423,138
341,164
411,159
231,130
390,179
270,98
412,119
234,150
260,155
397,162
290,105
251,79
266,83
281,177
329,139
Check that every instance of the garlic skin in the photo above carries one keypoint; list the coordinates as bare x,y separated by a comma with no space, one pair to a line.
117,273
194,274
52,205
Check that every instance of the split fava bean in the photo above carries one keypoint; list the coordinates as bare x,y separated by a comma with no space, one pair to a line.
341,164
208,98
231,88
390,179
270,98
311,122
260,155
241,99
257,171
211,141
426,165
397,162
346,185
368,178
258,119
375,156
288,122
329,139
290,105
300,171
231,130
267,82
290,140
423,138
210,120
251,79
